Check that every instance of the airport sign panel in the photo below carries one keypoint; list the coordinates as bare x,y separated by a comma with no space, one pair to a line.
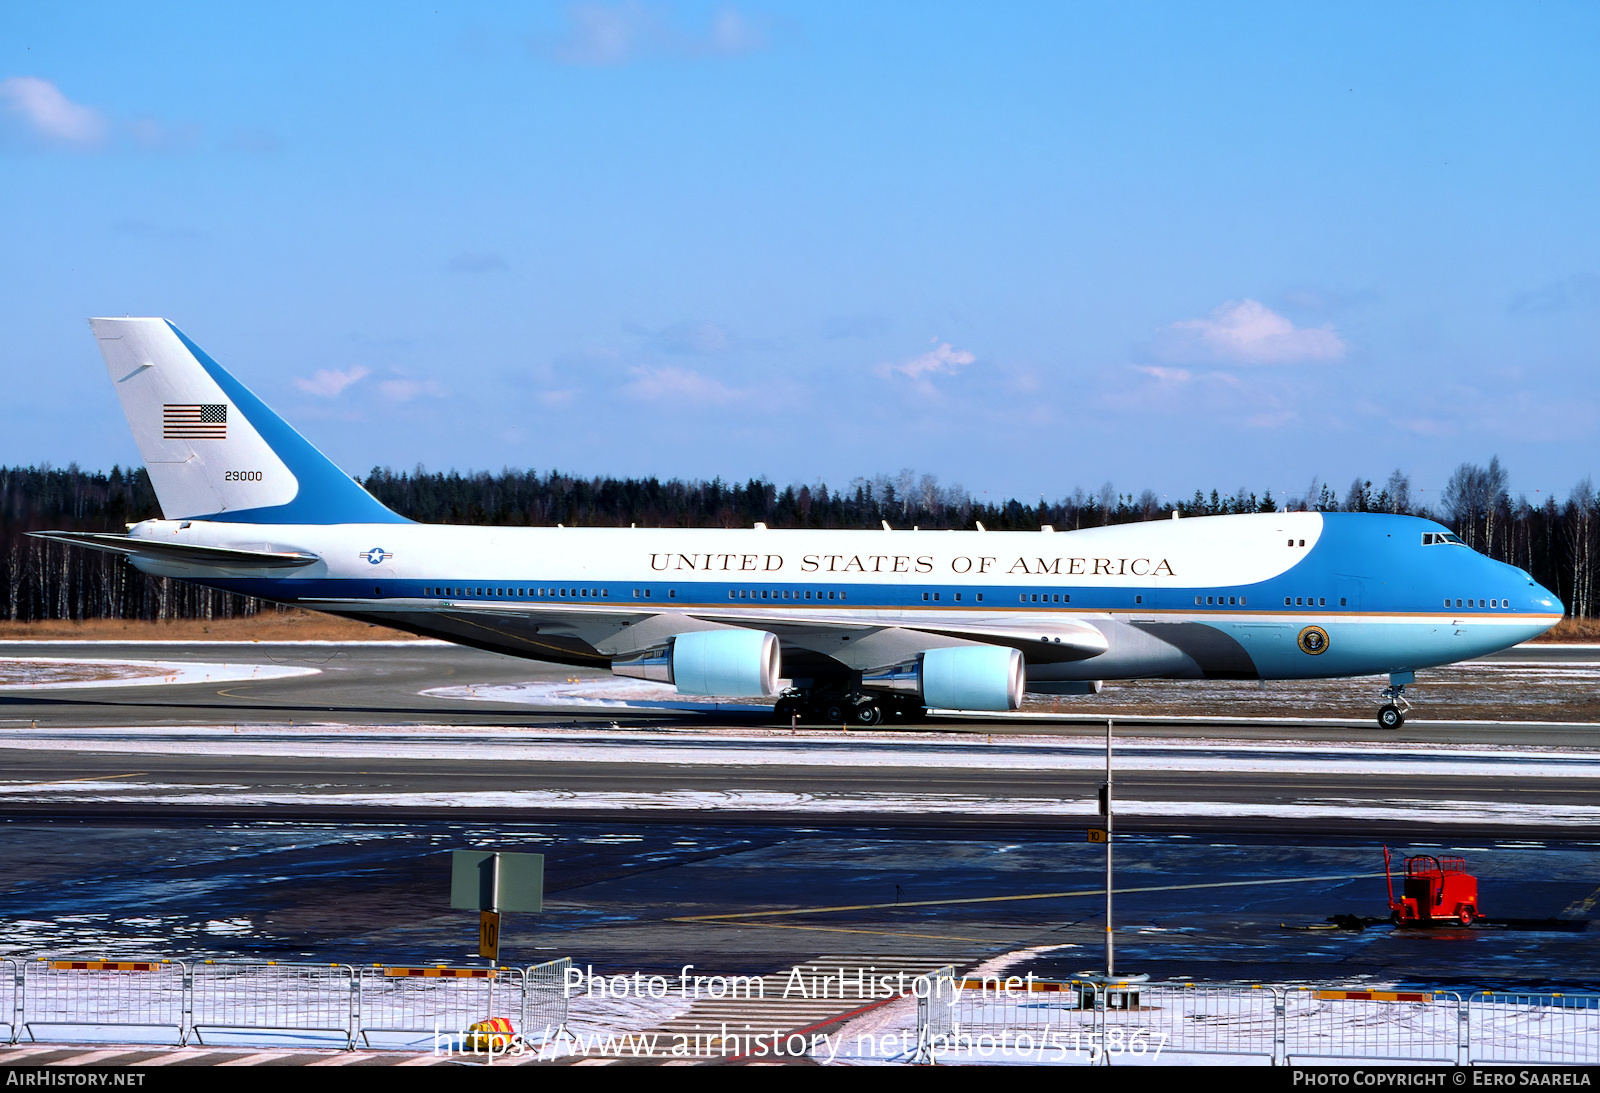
489,880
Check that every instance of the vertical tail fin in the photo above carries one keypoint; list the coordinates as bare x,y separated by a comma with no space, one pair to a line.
212,448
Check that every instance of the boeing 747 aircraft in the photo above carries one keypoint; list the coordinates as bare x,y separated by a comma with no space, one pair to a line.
842,626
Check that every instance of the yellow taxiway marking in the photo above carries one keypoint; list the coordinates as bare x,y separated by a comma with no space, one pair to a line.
1006,899
1581,906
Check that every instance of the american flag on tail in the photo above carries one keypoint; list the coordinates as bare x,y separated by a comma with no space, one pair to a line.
194,421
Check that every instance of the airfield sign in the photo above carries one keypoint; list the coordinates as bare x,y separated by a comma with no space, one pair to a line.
490,881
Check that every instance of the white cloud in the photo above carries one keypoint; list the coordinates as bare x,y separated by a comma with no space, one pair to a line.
614,34
679,383
329,384
1248,332
50,113
944,359
404,390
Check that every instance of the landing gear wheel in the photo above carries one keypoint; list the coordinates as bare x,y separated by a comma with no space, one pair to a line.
1390,717
868,713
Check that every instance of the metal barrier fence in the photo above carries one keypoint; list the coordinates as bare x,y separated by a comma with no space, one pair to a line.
268,996
11,999
1553,1028
436,999
97,996
935,1016
103,994
965,1019
1076,1021
986,1019
544,1008
1190,1020
1408,1026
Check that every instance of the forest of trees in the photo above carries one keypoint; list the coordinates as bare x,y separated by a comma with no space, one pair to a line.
1554,541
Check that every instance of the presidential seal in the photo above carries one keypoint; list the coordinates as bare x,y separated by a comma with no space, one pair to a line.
1314,640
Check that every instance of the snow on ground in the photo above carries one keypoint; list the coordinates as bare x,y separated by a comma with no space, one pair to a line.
287,1005
57,673
1225,1026
619,693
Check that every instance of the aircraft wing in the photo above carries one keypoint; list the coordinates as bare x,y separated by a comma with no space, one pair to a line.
858,641
188,553
865,643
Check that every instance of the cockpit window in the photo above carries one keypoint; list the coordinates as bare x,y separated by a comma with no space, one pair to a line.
1438,538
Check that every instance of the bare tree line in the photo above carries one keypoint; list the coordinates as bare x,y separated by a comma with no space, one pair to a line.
1555,542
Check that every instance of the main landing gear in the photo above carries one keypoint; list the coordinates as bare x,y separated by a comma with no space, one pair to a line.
839,707
1392,714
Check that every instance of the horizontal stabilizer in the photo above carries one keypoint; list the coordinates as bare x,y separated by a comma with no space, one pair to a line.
187,553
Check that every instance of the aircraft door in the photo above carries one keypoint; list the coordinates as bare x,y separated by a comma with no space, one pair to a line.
1349,592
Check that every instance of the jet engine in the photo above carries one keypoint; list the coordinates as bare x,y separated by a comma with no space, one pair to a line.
710,662
968,677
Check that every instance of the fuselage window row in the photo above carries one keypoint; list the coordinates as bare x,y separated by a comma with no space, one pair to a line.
527,593
1026,597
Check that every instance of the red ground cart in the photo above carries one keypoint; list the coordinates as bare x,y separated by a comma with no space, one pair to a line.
1435,892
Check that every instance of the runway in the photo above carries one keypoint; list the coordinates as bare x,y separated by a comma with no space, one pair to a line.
412,730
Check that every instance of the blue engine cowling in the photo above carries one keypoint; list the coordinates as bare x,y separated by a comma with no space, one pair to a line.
969,677
726,662
983,677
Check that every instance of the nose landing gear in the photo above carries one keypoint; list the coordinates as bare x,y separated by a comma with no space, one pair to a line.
1392,714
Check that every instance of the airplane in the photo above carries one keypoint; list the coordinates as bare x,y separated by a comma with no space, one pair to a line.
851,627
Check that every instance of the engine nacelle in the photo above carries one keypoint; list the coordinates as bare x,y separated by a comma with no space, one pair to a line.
968,677
710,662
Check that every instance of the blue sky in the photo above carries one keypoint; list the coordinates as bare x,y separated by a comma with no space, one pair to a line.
1024,247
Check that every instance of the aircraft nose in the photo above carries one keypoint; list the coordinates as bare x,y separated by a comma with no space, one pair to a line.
1543,599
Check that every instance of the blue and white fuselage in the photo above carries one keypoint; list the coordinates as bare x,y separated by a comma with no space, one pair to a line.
907,616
